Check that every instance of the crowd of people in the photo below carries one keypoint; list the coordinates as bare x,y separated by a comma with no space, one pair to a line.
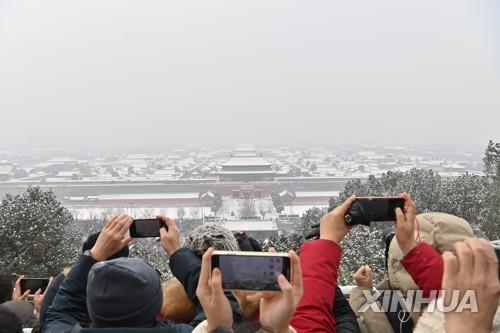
105,290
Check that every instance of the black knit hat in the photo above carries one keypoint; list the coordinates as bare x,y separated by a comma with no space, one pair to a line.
92,239
124,292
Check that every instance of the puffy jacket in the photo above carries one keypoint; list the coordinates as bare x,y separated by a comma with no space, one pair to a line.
319,260
68,311
422,269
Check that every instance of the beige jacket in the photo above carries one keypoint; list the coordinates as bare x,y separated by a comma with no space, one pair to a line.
433,322
439,230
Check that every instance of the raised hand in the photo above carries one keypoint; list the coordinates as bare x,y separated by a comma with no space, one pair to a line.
112,237
474,268
276,309
405,225
170,237
332,225
364,277
211,295
16,294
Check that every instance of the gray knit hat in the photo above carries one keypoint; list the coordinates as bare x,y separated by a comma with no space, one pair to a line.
211,235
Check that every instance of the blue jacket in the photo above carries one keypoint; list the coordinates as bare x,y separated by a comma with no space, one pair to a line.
68,312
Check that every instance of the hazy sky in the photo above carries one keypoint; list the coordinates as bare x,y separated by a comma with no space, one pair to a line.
144,74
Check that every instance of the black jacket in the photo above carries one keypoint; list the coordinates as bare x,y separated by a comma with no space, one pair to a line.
345,318
68,312
186,267
48,296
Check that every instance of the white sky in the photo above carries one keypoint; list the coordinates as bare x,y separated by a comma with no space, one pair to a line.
151,74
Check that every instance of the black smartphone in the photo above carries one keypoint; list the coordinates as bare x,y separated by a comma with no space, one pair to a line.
33,284
380,209
146,228
365,210
257,271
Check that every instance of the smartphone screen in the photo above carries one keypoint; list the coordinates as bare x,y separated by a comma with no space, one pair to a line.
145,228
380,209
247,271
33,284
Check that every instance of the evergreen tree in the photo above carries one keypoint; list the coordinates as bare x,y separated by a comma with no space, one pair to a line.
36,236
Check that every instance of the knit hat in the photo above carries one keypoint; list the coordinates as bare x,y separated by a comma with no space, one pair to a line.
22,310
211,235
92,239
124,292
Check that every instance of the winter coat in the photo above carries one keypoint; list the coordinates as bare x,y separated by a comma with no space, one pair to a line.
319,260
433,322
48,296
69,307
186,267
345,318
422,269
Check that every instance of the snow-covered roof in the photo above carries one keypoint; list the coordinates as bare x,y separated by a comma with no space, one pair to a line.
306,194
143,196
250,225
246,161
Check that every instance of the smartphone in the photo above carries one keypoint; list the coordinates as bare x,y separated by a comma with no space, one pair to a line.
33,284
146,228
380,209
256,271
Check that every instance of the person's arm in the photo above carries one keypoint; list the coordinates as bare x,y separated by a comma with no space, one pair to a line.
426,267
421,261
186,267
70,305
49,296
320,262
345,318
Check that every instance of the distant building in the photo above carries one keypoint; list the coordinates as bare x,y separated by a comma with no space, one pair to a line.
245,165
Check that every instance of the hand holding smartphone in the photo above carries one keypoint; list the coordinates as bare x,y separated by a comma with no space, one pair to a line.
146,228
254,271
373,209
33,284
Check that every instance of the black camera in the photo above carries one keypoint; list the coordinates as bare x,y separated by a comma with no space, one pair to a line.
373,209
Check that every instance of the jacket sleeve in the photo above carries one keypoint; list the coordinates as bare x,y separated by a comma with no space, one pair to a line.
186,267
69,307
345,318
426,268
48,296
319,261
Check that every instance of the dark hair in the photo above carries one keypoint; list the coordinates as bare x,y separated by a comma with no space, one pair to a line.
92,239
9,322
6,287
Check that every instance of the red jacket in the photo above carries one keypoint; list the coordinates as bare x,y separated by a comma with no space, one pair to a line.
320,262
426,267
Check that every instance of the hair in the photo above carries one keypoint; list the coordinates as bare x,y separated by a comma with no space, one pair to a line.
176,303
6,287
211,235
9,322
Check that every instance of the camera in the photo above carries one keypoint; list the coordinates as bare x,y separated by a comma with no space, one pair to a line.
365,210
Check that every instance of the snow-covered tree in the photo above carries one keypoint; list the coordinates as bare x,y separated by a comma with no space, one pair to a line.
36,237
151,251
